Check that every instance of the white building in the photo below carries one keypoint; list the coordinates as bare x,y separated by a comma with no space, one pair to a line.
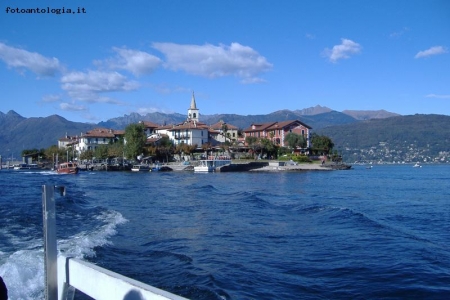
96,137
191,131
223,132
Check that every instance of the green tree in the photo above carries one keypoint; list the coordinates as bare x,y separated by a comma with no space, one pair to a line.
87,155
34,153
321,144
51,152
252,142
268,146
101,152
225,130
295,140
116,149
135,140
165,148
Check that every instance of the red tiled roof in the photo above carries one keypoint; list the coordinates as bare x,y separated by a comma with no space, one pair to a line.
259,127
189,125
218,126
274,125
103,132
67,139
149,124
287,123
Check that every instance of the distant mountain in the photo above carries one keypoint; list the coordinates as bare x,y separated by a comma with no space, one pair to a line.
369,114
156,117
313,110
315,119
19,133
402,138
346,129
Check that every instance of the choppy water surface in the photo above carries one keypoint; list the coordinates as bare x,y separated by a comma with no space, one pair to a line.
378,233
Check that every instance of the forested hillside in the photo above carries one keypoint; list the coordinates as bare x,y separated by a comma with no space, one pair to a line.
405,138
19,133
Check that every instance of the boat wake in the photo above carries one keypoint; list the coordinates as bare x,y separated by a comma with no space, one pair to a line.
23,270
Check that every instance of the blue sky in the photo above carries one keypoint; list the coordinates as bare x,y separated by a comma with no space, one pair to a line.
243,57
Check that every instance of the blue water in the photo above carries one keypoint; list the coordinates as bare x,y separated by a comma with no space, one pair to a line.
356,234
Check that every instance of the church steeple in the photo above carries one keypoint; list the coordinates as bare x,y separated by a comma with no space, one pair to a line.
193,110
193,104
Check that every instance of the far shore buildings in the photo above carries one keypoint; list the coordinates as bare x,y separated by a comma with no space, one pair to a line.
191,132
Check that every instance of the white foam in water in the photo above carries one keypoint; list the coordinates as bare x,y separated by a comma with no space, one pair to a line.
23,271
83,244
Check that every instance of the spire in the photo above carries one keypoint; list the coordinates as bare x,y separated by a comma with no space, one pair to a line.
193,104
193,110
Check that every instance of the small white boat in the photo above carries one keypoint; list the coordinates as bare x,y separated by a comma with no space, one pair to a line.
141,168
417,165
26,167
210,164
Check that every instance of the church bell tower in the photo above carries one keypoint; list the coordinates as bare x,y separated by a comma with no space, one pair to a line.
193,110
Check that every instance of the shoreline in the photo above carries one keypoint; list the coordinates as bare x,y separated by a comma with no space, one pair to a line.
298,167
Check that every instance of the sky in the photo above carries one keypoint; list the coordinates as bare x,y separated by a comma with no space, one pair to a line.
90,61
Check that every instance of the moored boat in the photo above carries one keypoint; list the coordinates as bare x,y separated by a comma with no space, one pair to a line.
212,163
141,168
26,167
67,168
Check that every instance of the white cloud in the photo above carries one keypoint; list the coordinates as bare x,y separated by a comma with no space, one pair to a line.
215,61
72,107
432,51
438,96
399,33
21,59
87,86
134,61
342,51
51,98
165,88
145,110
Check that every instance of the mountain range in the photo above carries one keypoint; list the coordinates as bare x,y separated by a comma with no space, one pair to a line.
316,117
19,133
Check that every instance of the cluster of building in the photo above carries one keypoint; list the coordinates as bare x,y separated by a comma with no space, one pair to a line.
399,153
192,132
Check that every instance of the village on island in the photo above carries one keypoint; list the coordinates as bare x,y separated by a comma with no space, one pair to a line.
189,146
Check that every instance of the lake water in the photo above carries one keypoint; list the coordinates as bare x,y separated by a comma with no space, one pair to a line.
356,234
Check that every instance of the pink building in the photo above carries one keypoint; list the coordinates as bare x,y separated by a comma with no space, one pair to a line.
277,131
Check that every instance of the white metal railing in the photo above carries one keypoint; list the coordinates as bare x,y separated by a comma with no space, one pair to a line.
100,283
64,275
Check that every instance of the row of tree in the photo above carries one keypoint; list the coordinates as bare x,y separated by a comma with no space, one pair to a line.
134,144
